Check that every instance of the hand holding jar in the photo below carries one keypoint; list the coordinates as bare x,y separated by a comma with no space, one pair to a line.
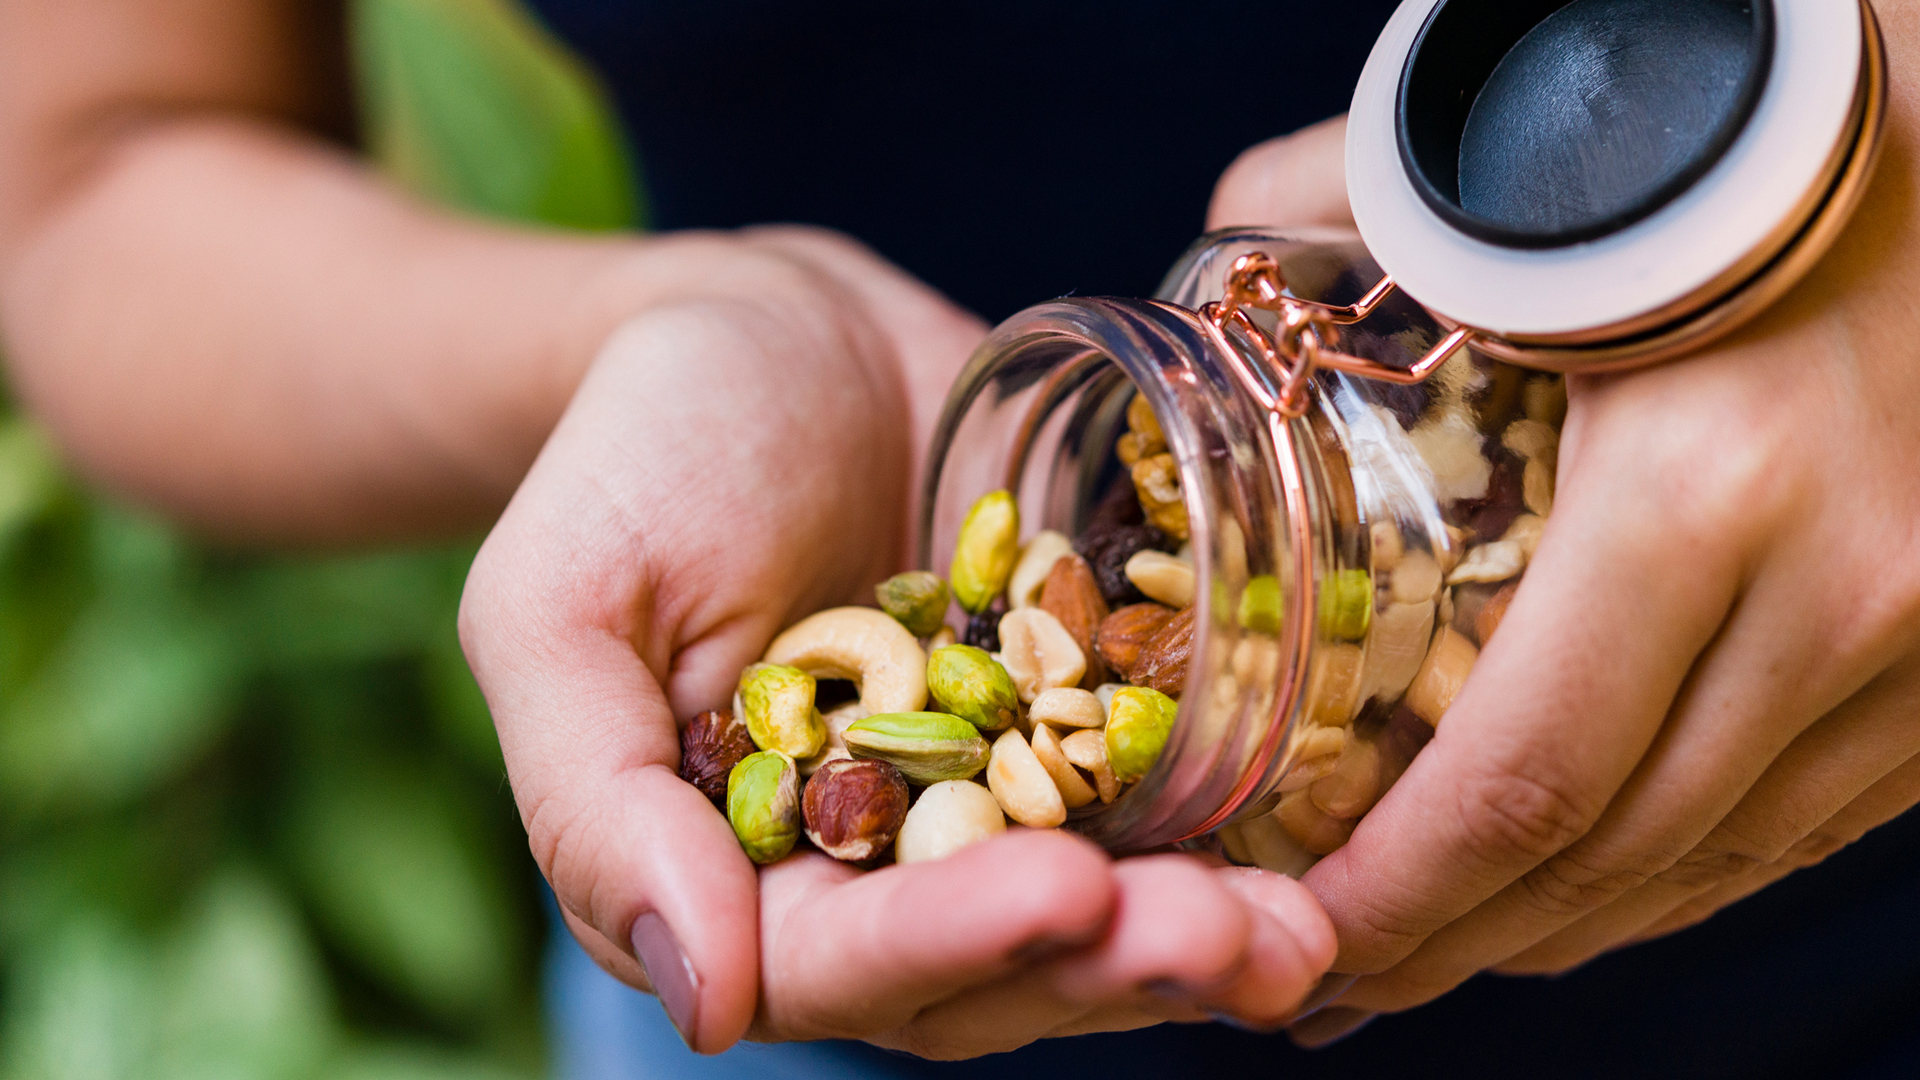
1708,678
643,564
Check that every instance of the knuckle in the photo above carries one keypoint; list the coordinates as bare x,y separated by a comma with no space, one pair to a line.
1525,813
1576,881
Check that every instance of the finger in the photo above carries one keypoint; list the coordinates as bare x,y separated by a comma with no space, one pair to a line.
1297,179
850,955
1557,714
1739,712
1177,932
1785,817
1328,1026
1291,946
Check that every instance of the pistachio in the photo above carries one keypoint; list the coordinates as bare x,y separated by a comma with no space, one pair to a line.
854,809
928,747
1068,707
1441,675
1036,562
1162,577
777,702
917,599
948,816
1346,604
763,805
985,551
970,684
837,720
1137,728
1075,792
711,746
1022,786
861,644
1088,750
1260,606
1072,595
1040,654
1157,480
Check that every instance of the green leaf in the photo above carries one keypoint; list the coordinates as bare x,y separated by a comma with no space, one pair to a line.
398,877
472,103
138,689
243,996
29,478
80,1005
295,613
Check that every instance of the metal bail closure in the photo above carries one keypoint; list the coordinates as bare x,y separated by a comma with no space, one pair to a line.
1602,184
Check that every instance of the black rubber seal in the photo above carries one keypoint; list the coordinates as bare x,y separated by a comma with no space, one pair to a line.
1543,123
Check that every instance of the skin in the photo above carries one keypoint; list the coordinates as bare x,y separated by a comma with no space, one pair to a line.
1736,697
688,442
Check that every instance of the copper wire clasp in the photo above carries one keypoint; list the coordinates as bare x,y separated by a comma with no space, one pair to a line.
1308,333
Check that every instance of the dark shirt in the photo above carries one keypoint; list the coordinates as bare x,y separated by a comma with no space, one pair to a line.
1009,152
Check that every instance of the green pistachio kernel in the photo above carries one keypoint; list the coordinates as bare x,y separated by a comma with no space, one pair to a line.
973,686
984,555
1260,609
763,805
927,747
1138,723
1346,605
778,704
917,599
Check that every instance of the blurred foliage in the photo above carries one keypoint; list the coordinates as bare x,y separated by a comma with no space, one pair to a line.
253,818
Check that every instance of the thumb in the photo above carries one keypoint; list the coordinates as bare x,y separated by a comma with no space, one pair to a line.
636,856
1297,179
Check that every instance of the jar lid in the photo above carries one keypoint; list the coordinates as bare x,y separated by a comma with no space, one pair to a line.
1607,181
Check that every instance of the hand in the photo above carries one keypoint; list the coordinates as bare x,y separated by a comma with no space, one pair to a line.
1709,676
731,463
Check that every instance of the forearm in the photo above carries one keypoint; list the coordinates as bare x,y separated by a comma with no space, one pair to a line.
246,329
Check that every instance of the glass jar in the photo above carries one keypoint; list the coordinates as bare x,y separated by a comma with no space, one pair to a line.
1353,539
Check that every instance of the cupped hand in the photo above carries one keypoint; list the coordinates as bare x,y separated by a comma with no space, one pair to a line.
733,461
1710,675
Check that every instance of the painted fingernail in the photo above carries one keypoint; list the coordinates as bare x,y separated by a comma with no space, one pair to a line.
1328,1026
1330,986
674,981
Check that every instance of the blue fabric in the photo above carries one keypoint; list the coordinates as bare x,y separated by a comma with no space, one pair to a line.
1012,150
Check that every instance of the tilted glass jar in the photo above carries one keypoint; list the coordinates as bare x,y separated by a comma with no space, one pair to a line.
1350,559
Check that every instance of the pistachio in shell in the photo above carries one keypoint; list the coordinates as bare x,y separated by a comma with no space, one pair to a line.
984,553
1346,604
1138,723
777,703
972,685
917,599
763,805
927,747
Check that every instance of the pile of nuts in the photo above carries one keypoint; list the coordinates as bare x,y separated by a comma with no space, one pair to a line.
1062,690
1397,643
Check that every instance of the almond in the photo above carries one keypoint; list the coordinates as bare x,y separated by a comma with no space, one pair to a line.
1123,634
1071,594
1163,659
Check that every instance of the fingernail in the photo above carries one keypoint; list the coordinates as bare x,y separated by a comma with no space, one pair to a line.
1330,986
674,981
1328,1026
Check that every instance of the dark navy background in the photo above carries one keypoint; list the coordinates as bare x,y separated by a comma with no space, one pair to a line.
1008,152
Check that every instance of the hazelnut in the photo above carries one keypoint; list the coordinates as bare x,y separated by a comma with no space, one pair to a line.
854,809
711,746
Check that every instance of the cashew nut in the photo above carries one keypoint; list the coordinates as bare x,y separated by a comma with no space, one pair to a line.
864,645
